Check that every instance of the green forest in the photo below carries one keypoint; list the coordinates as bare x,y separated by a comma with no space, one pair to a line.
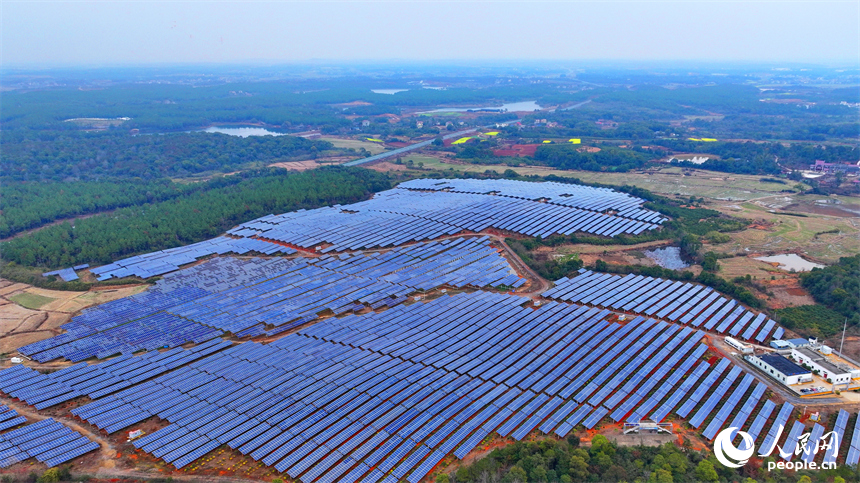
566,461
608,159
30,204
191,217
77,155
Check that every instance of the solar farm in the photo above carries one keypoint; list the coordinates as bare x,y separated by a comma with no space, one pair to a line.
376,341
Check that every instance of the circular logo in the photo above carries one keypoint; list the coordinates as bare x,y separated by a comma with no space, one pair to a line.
724,449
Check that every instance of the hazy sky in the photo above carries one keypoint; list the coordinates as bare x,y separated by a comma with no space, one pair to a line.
125,32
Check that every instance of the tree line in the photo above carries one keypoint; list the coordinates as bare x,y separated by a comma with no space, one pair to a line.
28,205
836,287
566,461
192,217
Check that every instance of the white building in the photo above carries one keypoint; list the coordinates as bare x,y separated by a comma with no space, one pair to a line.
780,368
837,373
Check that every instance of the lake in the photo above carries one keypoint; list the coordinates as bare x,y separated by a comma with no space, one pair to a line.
791,261
667,257
243,131
387,91
527,106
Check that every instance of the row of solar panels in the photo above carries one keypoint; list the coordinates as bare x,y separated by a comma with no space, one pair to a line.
67,274
398,216
322,379
292,293
169,260
577,196
48,441
148,333
96,380
677,301
522,411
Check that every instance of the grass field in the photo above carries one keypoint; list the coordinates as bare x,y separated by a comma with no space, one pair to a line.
780,233
373,148
30,301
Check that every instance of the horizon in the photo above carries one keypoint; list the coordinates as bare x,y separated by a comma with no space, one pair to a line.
130,34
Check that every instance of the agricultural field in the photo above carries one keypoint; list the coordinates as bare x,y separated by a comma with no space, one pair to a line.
29,314
357,144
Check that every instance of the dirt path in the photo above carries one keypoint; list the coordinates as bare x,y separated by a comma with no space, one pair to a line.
542,284
108,451
71,219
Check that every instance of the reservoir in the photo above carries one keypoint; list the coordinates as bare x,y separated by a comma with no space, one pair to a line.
242,131
523,106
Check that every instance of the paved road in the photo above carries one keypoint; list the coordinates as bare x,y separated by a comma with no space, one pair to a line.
412,147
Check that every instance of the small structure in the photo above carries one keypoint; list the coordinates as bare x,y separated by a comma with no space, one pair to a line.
780,368
780,345
17,360
744,348
132,435
794,343
823,167
647,426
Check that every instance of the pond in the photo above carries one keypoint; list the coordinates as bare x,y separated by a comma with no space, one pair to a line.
667,257
528,106
243,131
791,261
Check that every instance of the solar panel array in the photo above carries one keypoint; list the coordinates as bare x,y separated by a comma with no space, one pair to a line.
169,260
390,394
256,297
779,422
682,302
792,440
9,418
719,420
45,390
832,452
67,274
853,456
48,441
417,210
576,196
412,213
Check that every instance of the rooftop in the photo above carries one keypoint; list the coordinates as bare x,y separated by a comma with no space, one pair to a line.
822,360
783,365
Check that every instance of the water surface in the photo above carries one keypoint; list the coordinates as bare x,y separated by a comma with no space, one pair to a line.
667,257
791,261
243,131
528,106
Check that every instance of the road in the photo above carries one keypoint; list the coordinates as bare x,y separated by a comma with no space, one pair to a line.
413,147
